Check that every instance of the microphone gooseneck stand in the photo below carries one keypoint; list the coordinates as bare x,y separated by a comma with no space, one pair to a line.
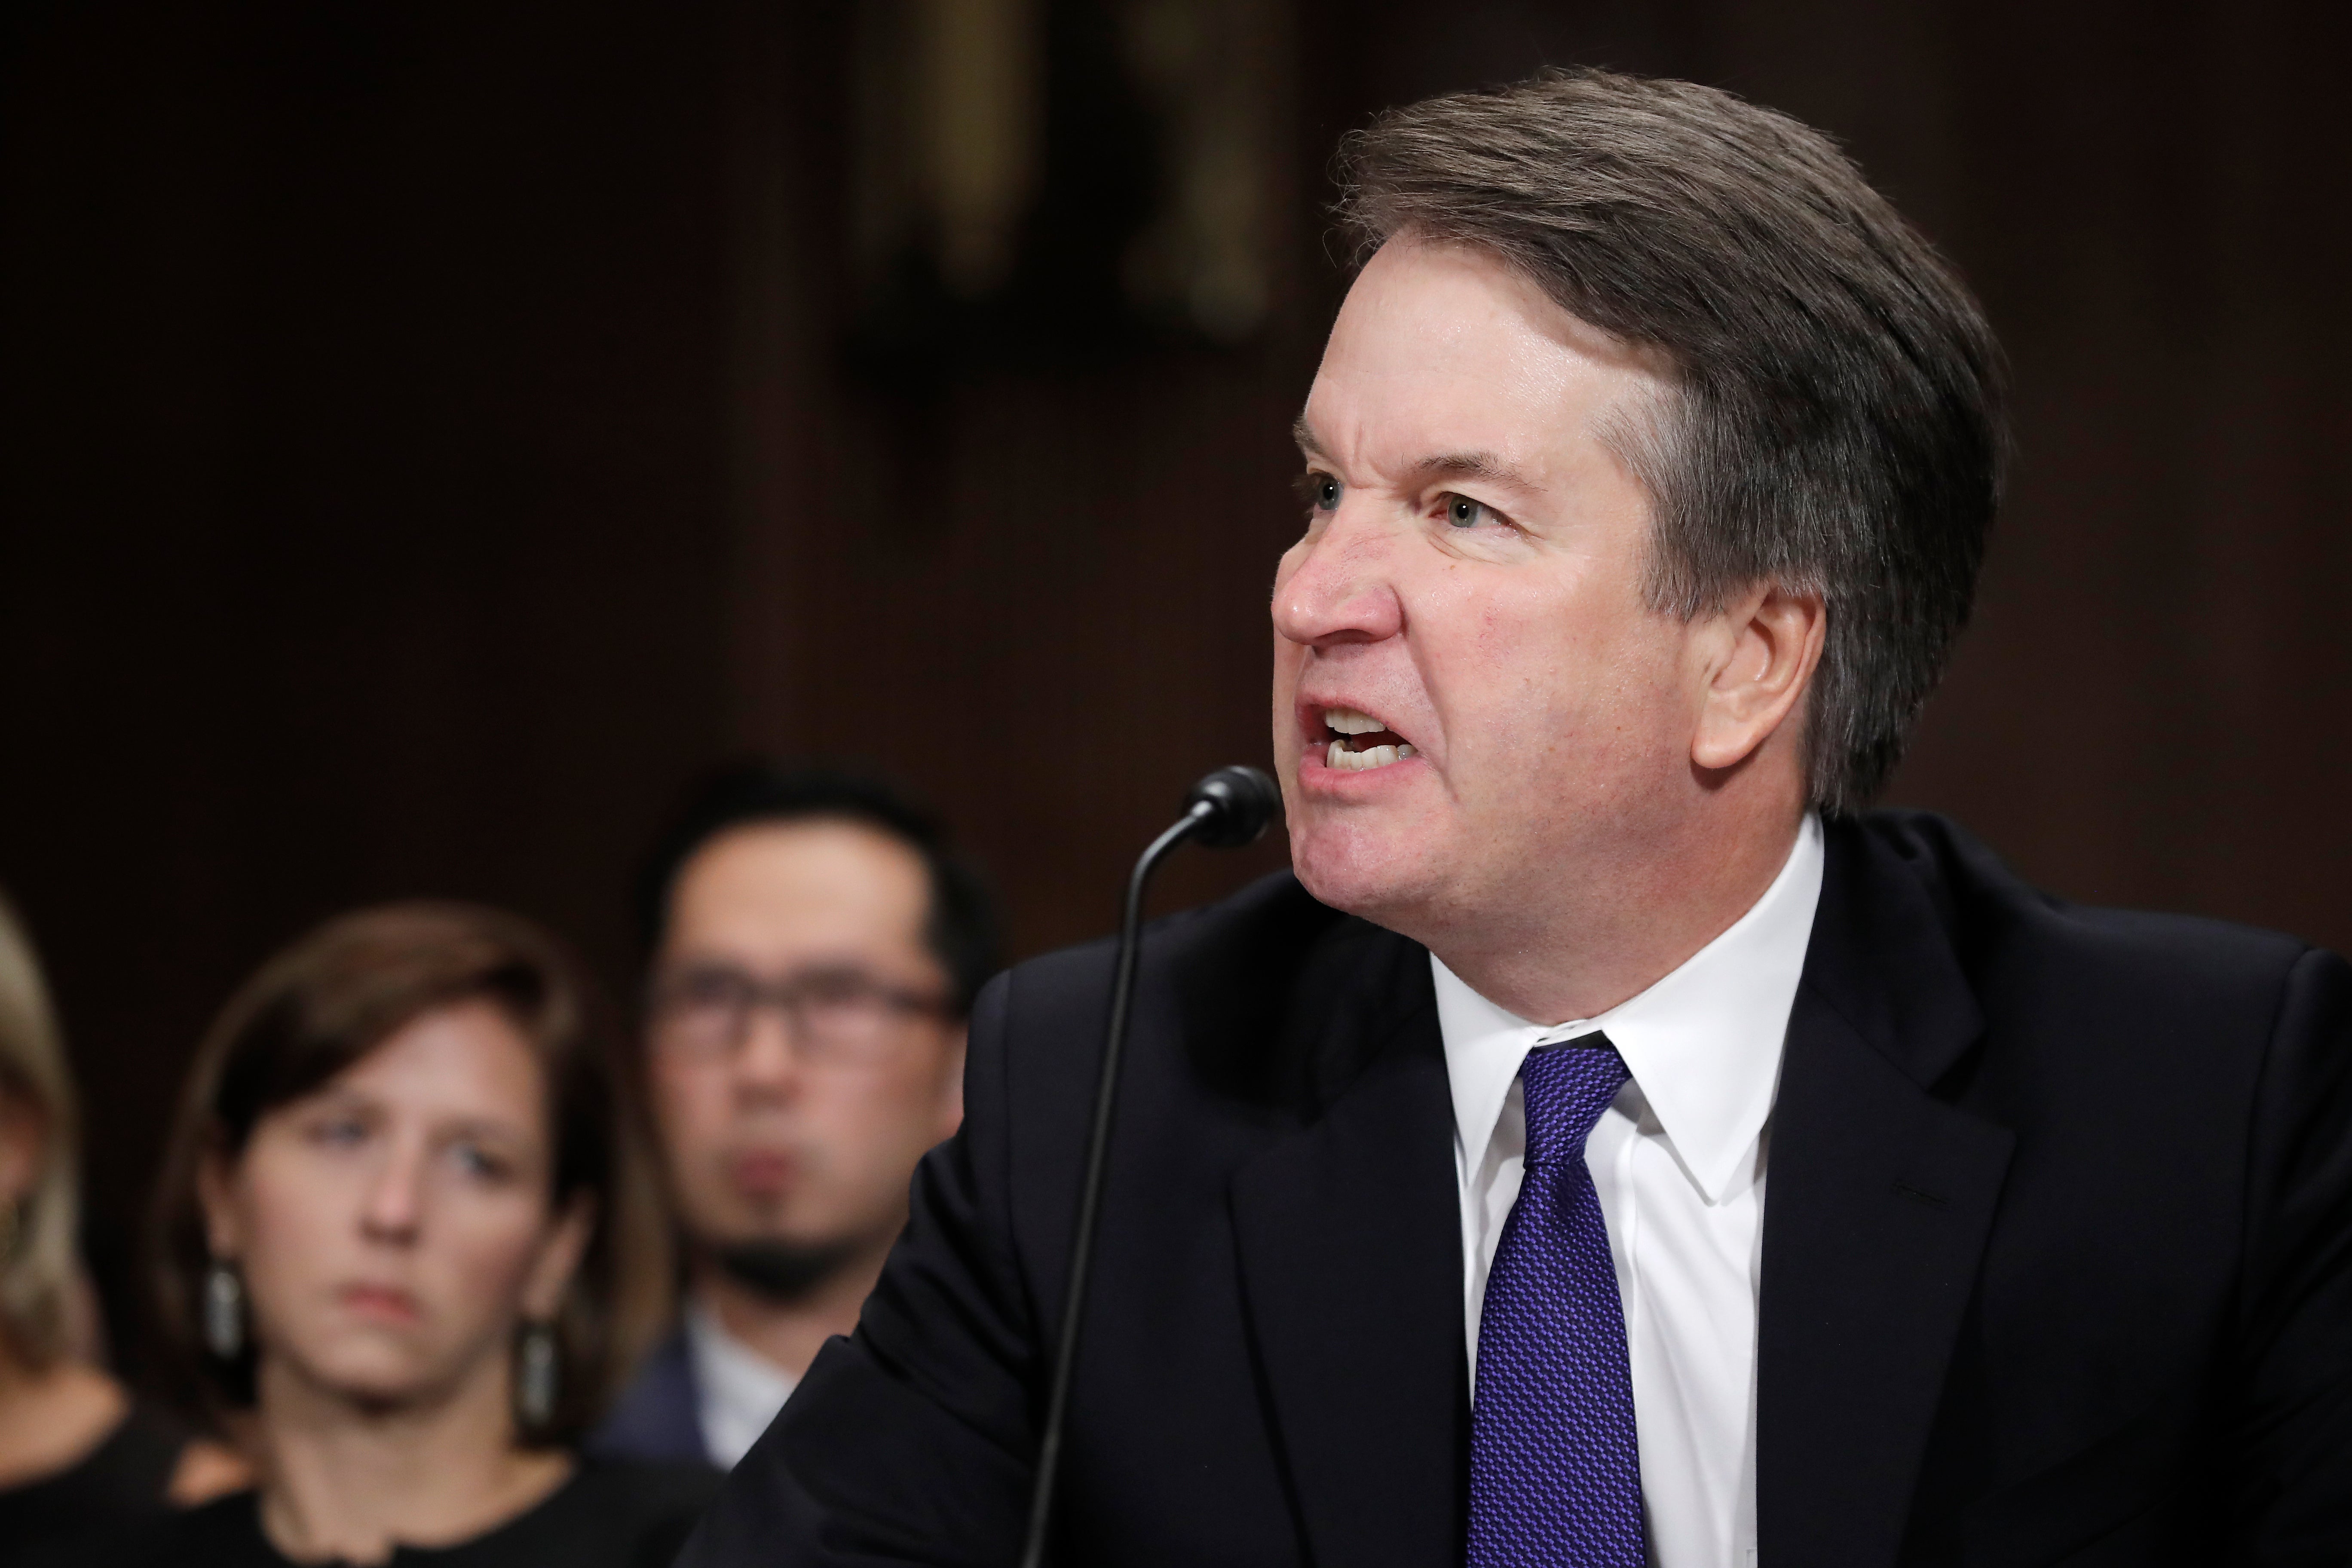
1230,807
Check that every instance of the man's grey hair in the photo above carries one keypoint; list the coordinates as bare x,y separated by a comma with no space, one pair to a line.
1835,425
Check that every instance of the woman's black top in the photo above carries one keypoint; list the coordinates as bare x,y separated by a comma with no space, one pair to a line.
120,1481
610,1514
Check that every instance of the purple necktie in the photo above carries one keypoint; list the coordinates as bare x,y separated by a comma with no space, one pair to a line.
1555,1477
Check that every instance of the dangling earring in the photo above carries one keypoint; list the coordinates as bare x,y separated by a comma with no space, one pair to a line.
535,1377
8,1219
224,1311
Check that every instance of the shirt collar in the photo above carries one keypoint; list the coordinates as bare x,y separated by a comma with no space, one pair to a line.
1703,1044
729,1374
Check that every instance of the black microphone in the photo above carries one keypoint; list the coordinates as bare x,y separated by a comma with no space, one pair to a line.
1225,810
1230,808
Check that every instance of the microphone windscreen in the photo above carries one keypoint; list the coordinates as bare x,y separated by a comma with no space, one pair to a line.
1242,801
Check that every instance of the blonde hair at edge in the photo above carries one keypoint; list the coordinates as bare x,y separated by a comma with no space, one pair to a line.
36,1268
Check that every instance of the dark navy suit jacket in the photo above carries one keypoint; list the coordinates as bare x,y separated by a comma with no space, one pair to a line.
2057,1257
659,1416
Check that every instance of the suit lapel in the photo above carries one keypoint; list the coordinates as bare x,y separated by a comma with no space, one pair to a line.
1349,1236
1879,1201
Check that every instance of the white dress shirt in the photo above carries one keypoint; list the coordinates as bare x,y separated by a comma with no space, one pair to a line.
737,1390
1678,1163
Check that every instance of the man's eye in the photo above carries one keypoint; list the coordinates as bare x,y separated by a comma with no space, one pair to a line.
706,988
1324,491
1463,512
836,989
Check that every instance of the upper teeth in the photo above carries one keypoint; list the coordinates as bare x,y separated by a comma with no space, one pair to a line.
1348,721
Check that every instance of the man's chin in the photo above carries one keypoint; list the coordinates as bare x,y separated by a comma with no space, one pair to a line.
1359,876
783,1270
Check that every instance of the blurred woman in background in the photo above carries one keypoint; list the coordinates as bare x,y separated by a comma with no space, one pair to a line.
76,1452
408,1241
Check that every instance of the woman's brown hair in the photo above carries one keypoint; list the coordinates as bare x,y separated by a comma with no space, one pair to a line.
324,1003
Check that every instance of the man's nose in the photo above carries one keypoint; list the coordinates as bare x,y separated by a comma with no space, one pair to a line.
768,1062
1338,586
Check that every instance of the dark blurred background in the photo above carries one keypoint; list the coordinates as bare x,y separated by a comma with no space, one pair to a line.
430,433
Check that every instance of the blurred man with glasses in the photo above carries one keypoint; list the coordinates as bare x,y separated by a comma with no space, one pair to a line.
814,948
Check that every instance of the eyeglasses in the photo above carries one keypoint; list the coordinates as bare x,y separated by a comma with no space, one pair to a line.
834,1018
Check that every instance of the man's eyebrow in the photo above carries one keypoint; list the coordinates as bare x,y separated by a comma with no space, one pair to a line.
1483,466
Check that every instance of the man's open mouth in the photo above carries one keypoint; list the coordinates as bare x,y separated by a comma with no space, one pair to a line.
1359,741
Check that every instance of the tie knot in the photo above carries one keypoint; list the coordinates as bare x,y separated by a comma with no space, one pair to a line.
1567,1088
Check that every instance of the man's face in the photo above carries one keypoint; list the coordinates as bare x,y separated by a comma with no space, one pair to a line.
1467,600
802,1058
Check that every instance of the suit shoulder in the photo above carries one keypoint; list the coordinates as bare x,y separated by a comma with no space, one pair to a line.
2002,926
1272,922
1251,992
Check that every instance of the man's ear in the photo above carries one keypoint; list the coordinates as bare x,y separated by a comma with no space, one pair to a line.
1762,659
559,1259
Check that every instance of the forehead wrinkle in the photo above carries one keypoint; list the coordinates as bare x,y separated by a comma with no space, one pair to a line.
1477,464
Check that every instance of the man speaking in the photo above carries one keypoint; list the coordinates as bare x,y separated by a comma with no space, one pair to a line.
1612,1145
